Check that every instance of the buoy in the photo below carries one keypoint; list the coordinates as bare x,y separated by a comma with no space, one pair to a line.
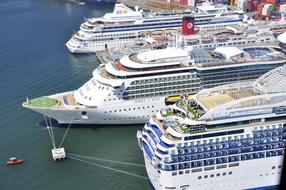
58,154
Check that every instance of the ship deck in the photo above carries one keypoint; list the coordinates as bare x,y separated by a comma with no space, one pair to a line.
140,45
184,129
41,103
214,100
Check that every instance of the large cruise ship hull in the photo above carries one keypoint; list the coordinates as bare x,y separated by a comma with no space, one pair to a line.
238,143
79,50
251,174
123,112
93,45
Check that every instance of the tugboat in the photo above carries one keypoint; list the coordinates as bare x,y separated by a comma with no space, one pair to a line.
13,161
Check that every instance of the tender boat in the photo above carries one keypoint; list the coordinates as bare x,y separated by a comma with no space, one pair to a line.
13,161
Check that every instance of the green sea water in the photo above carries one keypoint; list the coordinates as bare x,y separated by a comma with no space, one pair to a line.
34,62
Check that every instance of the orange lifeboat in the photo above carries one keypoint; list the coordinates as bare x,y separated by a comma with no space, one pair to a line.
13,161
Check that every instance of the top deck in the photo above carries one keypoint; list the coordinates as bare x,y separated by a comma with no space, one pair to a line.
215,99
41,103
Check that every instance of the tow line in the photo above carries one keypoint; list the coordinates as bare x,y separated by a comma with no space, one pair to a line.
108,168
59,153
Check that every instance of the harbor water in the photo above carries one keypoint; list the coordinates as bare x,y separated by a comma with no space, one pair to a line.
34,62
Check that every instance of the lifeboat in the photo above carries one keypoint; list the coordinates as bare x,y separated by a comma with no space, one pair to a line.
14,161
172,99
189,96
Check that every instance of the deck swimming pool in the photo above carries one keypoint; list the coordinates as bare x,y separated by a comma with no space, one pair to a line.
260,53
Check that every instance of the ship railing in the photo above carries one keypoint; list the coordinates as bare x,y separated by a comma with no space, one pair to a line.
256,123
246,61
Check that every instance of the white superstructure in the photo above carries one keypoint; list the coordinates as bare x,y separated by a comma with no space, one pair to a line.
228,137
133,88
125,25
258,32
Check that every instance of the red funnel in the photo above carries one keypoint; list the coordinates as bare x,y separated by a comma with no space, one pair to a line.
188,25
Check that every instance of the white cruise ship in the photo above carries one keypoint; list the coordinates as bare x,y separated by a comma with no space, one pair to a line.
228,137
133,88
259,32
125,25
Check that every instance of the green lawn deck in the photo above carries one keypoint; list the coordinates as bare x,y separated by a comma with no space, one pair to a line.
188,108
42,103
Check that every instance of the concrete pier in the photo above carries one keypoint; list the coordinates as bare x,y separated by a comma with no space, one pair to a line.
154,5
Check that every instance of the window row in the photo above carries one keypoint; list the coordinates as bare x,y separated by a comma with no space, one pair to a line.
166,85
161,93
221,160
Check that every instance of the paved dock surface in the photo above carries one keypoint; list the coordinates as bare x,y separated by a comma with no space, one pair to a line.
153,5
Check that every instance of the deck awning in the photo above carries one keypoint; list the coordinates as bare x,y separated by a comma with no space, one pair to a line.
228,52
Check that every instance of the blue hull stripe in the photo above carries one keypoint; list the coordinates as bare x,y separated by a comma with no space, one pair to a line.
273,187
167,27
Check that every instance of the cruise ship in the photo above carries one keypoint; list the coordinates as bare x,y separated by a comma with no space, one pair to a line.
124,25
133,88
254,33
259,32
227,137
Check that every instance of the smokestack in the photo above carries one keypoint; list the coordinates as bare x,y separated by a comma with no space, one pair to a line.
188,25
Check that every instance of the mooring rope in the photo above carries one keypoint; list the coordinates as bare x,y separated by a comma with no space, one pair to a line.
52,139
52,131
109,168
106,160
65,134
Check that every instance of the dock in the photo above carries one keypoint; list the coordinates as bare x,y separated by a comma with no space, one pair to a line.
154,5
